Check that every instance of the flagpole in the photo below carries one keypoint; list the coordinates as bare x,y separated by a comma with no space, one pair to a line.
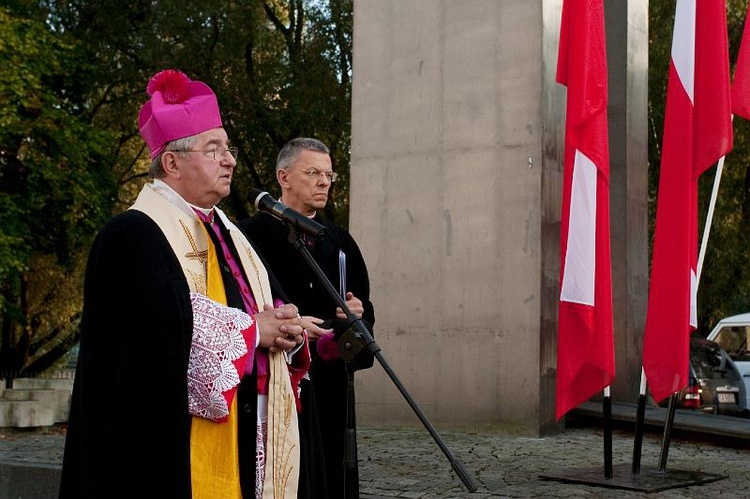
640,423
607,422
709,221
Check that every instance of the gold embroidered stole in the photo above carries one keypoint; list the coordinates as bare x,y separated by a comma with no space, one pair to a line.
282,445
282,449
213,446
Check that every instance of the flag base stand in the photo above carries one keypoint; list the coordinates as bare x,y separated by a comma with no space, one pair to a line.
624,478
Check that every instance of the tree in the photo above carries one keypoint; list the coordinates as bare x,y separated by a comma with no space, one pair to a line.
54,190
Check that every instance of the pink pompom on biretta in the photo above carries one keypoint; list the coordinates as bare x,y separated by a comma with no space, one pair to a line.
179,107
172,84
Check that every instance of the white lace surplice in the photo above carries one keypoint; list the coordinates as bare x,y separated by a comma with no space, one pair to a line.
217,343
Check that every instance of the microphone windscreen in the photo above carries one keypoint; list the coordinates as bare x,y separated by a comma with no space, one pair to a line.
254,196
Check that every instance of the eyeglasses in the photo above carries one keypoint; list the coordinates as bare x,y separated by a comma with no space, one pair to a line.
217,153
314,173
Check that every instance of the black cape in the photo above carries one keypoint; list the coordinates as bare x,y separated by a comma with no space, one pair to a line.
129,426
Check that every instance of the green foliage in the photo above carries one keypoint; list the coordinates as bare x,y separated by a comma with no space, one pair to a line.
56,188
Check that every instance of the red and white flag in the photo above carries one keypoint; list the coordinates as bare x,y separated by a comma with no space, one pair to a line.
585,342
741,82
697,132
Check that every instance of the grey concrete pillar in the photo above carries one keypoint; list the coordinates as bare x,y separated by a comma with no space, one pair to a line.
457,140
627,53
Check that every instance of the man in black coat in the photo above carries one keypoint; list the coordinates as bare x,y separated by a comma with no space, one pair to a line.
186,371
304,173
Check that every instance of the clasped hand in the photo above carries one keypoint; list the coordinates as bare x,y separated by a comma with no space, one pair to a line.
280,328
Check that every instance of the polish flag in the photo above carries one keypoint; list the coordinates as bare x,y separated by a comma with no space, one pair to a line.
697,132
585,343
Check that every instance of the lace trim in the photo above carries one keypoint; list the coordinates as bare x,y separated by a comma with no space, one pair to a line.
260,457
217,342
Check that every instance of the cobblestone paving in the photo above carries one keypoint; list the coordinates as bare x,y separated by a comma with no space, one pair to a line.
409,463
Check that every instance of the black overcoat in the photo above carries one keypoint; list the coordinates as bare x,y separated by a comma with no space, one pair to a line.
129,426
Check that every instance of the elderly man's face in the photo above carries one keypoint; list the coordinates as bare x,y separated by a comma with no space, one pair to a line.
203,176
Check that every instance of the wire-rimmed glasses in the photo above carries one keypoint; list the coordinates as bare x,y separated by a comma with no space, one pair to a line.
314,173
216,153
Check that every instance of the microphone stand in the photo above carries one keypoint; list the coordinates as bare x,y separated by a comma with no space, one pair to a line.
351,462
355,340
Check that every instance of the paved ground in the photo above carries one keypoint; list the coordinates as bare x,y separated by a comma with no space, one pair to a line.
408,463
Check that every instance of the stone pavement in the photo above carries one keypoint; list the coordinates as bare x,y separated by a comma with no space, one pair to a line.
398,462
407,463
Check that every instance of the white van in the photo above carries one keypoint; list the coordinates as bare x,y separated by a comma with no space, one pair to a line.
732,334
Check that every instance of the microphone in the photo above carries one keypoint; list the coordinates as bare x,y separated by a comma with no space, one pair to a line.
265,202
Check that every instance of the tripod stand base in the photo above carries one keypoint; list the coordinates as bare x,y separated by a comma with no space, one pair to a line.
623,478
